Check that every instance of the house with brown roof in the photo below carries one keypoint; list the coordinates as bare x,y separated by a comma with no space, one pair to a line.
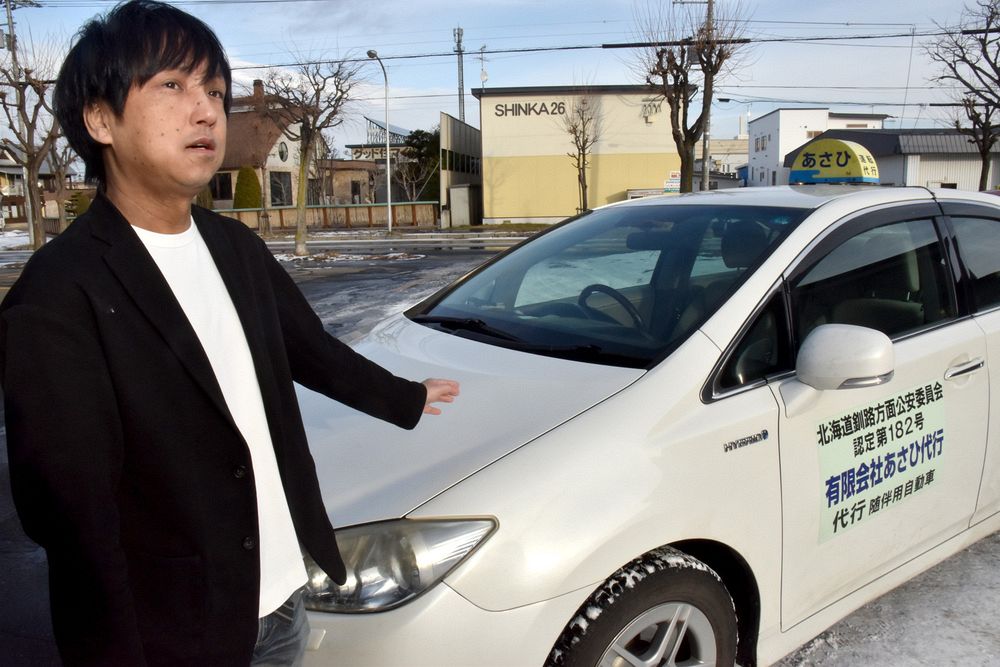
258,140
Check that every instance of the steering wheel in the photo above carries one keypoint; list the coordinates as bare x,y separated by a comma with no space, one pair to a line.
614,294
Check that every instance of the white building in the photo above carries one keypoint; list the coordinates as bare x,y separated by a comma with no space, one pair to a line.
775,134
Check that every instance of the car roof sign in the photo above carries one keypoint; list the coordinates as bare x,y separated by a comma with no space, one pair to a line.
834,161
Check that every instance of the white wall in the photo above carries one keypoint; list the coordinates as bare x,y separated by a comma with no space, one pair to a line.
784,130
842,122
962,170
776,134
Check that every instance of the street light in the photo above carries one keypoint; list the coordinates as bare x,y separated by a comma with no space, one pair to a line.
372,53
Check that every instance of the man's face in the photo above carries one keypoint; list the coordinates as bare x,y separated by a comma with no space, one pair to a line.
171,136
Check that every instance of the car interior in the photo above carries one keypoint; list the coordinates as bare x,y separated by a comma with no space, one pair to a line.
881,279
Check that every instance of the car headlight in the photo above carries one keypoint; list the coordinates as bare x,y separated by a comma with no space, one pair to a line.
390,563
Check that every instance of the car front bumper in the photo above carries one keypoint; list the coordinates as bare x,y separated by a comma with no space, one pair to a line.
441,628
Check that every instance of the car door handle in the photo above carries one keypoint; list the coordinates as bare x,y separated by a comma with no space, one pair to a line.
963,369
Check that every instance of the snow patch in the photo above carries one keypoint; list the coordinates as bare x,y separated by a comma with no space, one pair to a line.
333,256
13,238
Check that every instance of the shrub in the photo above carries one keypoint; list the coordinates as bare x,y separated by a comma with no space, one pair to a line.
247,192
77,204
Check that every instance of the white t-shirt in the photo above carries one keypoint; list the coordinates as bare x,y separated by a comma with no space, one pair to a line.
188,267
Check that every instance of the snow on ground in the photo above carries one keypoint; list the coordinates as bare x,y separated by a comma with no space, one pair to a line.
13,238
945,616
332,256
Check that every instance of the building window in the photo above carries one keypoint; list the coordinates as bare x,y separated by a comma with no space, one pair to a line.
281,188
314,192
221,186
282,151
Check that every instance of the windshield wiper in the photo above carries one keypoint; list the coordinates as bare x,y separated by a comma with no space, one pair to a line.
587,352
464,324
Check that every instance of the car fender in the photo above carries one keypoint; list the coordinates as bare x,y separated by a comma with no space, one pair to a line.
618,481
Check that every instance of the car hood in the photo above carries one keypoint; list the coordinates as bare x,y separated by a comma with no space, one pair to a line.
370,470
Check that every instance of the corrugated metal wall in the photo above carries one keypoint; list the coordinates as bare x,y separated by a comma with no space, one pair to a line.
962,170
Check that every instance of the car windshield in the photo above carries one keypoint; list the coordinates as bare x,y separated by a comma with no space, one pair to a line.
623,285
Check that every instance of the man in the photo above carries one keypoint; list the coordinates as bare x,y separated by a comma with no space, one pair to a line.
148,353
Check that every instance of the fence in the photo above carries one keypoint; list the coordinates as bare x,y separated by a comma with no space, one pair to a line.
344,216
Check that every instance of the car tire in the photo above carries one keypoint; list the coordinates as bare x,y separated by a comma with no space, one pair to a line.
664,608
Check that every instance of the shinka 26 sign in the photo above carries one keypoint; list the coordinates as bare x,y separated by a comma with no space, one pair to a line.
529,109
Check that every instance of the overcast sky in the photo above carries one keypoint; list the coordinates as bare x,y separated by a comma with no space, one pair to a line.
876,75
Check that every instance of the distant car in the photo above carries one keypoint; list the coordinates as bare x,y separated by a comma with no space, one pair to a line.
693,430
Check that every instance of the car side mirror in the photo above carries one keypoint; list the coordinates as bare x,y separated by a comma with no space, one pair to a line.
844,356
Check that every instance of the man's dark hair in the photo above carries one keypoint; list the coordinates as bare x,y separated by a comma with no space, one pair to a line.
127,47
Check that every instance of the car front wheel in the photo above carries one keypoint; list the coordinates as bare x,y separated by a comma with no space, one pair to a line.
664,608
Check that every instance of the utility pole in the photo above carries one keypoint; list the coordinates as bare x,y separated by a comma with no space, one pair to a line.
483,76
461,74
705,157
19,92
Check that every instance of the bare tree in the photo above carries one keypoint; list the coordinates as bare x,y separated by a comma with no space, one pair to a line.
584,124
683,56
61,158
983,131
25,95
969,55
308,100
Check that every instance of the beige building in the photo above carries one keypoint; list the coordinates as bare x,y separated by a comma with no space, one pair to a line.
461,181
527,175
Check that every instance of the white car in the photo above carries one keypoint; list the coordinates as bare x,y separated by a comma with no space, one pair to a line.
692,430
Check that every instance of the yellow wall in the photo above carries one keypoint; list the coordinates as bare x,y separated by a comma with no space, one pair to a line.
544,186
526,170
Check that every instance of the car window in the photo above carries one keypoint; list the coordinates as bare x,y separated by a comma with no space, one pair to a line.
979,244
762,350
621,285
891,278
566,274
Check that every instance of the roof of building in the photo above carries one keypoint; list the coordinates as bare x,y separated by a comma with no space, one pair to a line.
849,114
394,129
341,164
249,139
8,165
914,141
251,135
830,114
479,93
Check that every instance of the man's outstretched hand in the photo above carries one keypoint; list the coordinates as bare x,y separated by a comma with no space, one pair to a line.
439,391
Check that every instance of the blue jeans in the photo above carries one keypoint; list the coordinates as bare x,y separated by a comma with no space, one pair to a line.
282,635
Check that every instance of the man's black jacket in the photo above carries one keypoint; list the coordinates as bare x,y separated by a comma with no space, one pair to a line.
125,462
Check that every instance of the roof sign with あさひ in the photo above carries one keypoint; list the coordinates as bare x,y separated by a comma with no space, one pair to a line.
834,161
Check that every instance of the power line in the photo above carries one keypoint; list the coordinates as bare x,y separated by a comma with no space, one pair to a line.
585,47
